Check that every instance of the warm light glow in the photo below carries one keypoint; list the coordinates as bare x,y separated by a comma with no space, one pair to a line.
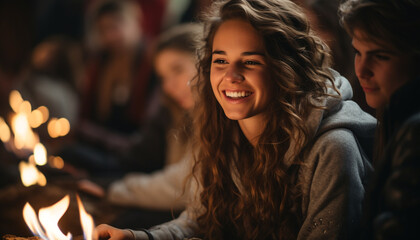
32,221
58,127
30,175
4,131
86,220
40,154
36,118
52,128
42,180
25,108
45,113
56,162
64,126
50,216
24,136
15,100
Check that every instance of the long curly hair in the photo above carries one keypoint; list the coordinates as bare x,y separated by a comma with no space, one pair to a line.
252,192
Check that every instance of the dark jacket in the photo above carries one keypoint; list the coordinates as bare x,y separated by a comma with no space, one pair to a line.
394,206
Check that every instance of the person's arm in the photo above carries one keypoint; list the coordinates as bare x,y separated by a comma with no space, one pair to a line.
159,190
185,226
336,190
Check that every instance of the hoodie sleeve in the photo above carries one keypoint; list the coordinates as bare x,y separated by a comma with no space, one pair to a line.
335,187
159,190
183,227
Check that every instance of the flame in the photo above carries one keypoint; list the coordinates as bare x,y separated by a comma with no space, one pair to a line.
86,220
40,154
50,216
32,221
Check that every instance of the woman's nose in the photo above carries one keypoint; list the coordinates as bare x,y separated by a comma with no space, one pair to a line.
362,68
234,74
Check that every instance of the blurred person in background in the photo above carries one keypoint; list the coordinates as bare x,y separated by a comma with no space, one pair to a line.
118,81
386,37
119,92
175,64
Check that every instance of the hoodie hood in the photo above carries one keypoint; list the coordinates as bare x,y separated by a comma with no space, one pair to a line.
342,112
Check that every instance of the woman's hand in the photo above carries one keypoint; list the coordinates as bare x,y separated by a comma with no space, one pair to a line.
105,231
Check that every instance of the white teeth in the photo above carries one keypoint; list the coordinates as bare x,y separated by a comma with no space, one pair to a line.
239,94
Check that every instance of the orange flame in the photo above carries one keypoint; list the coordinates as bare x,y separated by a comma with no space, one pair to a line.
47,225
49,218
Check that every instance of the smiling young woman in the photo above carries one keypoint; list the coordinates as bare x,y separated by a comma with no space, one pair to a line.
280,146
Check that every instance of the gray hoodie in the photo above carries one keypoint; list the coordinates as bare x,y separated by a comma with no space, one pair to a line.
333,176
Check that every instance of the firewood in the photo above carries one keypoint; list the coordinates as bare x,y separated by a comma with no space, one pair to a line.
13,237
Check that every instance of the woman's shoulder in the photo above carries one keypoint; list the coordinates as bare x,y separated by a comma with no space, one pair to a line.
338,152
335,143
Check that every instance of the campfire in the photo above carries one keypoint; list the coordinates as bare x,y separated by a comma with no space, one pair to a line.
46,224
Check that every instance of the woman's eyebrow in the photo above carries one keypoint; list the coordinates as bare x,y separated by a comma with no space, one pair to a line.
253,53
218,52
243,54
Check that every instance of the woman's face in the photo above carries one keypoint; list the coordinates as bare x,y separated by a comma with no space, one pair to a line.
175,69
380,70
118,32
110,27
238,74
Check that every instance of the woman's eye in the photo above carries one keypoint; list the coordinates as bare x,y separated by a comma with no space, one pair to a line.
381,57
219,61
356,52
252,63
